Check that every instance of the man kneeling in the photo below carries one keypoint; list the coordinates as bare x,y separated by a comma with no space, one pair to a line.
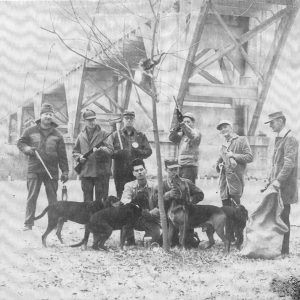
137,191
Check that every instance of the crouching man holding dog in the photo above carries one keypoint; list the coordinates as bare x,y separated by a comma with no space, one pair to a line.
140,190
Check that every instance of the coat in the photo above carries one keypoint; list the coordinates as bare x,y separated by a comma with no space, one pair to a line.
188,142
232,174
50,146
285,167
122,165
99,162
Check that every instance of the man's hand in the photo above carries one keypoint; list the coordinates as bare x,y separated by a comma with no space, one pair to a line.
64,178
276,184
82,159
99,149
233,162
30,151
172,194
230,154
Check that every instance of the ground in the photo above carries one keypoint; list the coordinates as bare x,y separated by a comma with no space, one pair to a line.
29,271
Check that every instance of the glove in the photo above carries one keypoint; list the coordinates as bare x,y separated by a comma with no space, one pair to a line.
64,178
30,151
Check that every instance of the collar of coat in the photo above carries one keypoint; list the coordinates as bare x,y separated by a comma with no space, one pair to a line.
228,142
124,131
283,132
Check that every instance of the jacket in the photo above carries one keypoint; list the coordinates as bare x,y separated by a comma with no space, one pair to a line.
99,162
50,146
232,174
122,165
285,167
188,141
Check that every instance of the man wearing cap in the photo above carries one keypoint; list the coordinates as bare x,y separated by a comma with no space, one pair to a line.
188,140
284,169
95,172
128,144
176,187
44,138
235,154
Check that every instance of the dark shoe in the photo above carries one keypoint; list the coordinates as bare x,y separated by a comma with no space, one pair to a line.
27,227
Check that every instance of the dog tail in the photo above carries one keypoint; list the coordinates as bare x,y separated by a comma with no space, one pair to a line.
42,214
78,244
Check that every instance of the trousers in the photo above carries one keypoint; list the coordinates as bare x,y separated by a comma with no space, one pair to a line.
34,182
285,216
99,185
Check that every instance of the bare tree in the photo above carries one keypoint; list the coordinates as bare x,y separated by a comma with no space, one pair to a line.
109,53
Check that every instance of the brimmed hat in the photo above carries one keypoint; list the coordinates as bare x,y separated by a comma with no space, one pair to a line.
223,122
171,163
275,116
189,115
129,113
46,108
89,115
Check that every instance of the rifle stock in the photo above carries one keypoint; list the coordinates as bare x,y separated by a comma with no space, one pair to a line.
79,166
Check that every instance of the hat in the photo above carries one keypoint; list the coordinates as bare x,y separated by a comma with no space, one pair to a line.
171,163
223,122
89,115
189,115
46,108
129,113
275,116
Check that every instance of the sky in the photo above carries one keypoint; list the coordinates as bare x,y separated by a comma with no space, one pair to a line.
32,58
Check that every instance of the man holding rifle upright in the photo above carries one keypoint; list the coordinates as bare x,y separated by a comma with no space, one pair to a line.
95,170
44,145
188,139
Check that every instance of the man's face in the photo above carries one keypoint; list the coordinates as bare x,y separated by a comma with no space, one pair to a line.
139,172
226,130
91,123
189,122
172,172
276,125
47,118
128,121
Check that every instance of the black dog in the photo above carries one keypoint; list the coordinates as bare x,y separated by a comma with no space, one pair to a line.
237,217
103,222
62,211
210,218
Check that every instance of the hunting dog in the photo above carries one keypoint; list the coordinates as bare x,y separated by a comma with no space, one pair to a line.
62,211
237,217
209,217
104,222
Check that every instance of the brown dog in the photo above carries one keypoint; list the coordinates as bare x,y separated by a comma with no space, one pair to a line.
210,218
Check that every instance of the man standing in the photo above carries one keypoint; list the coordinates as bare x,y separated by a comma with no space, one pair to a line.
284,169
141,189
128,144
235,153
44,138
182,188
95,172
188,138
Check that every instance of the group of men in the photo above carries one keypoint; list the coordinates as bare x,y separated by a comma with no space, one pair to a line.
124,151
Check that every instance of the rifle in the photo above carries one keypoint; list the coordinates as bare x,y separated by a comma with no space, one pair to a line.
78,167
178,112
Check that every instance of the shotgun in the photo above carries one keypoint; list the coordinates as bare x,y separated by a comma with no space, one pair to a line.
178,112
78,167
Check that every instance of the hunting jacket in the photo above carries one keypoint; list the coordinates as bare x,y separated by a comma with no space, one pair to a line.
232,177
188,141
285,166
99,162
51,148
122,165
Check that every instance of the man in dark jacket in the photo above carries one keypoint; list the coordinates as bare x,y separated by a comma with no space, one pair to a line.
128,144
284,169
235,154
44,138
188,139
95,172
